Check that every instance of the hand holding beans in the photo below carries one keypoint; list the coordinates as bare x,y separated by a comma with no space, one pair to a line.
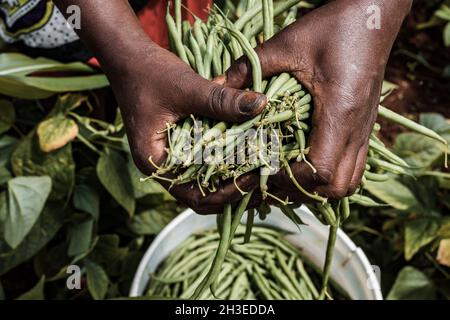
341,62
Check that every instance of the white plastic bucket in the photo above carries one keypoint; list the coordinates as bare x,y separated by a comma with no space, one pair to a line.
350,269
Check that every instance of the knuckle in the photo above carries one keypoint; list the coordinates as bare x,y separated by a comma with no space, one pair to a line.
216,98
336,191
323,176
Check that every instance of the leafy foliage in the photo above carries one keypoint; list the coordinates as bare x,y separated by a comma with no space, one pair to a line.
70,194
413,237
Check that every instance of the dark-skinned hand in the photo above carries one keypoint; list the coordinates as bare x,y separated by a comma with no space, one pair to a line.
341,62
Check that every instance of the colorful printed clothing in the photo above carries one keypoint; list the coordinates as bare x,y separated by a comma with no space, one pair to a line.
38,28
36,23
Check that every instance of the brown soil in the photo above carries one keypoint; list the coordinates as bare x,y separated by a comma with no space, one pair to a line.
421,89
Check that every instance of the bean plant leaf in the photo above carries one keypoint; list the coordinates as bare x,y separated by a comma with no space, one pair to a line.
141,189
393,193
35,293
7,145
45,228
97,280
80,238
86,199
7,115
113,173
151,222
435,122
419,233
444,229
412,284
28,78
5,175
56,132
29,160
443,255
26,199
3,209
446,35
418,150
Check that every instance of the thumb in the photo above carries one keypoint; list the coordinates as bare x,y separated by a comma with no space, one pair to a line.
239,75
216,101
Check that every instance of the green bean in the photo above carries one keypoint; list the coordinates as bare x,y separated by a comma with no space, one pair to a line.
328,258
405,122
173,32
249,225
209,54
376,176
226,59
178,16
387,166
190,57
309,283
252,56
345,208
268,19
198,56
295,286
279,8
387,154
220,253
199,36
262,284
239,212
365,201
277,84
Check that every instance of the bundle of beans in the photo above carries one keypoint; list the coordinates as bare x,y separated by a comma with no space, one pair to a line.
267,268
209,48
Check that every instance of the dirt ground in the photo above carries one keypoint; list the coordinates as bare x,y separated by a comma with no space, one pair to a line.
421,88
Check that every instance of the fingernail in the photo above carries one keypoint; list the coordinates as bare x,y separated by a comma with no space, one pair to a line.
250,102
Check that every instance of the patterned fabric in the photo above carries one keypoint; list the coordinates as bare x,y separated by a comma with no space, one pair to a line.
38,28
37,23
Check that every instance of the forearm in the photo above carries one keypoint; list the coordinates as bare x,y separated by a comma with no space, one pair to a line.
111,30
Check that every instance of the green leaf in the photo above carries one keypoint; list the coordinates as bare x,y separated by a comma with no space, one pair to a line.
107,251
3,209
86,199
80,238
35,293
113,173
29,160
26,199
49,222
27,78
7,115
151,222
97,280
5,175
418,150
446,35
412,284
444,229
56,132
419,233
435,122
393,193
141,189
7,145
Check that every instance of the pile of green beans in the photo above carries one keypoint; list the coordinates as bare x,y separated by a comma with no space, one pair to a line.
209,48
268,268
